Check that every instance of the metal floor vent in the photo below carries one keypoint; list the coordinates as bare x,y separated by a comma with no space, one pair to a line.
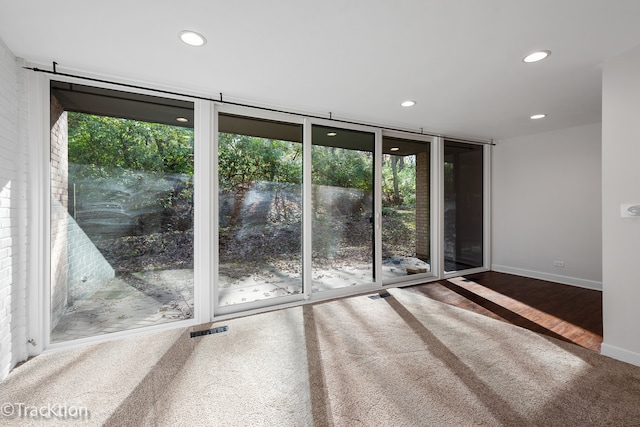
380,295
209,331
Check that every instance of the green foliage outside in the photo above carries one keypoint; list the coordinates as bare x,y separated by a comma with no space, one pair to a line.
106,143
131,190
338,167
152,160
399,188
244,160
108,149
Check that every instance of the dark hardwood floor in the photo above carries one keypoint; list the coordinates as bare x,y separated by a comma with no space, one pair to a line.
565,312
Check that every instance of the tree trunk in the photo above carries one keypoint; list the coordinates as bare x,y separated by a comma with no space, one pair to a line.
394,169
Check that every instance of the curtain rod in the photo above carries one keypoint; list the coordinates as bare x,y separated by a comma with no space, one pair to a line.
238,104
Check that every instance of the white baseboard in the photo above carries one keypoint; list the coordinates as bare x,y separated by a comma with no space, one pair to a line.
620,354
566,280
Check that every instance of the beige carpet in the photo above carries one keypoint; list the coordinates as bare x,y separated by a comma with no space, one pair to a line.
404,360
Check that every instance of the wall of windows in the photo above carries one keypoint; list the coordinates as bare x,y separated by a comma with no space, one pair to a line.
147,226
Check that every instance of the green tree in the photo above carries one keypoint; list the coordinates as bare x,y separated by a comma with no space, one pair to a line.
107,142
342,168
398,180
144,167
244,159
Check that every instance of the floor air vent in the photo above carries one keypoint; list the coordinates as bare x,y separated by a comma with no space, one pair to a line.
209,331
380,295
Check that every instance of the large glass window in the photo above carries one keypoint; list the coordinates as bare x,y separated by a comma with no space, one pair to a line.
463,206
260,209
121,211
342,204
406,216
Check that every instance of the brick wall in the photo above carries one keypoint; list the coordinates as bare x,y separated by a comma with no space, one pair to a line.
422,206
13,213
59,211
78,269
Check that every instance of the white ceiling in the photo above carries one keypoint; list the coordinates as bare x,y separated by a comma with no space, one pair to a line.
459,59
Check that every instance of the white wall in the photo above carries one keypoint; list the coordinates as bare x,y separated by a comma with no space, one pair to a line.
546,206
621,184
13,213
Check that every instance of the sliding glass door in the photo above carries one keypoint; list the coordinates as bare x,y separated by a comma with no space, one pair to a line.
259,210
463,206
406,209
342,201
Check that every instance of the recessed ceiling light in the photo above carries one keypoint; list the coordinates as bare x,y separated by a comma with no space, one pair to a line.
538,116
537,56
182,119
394,149
408,103
192,38
331,134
